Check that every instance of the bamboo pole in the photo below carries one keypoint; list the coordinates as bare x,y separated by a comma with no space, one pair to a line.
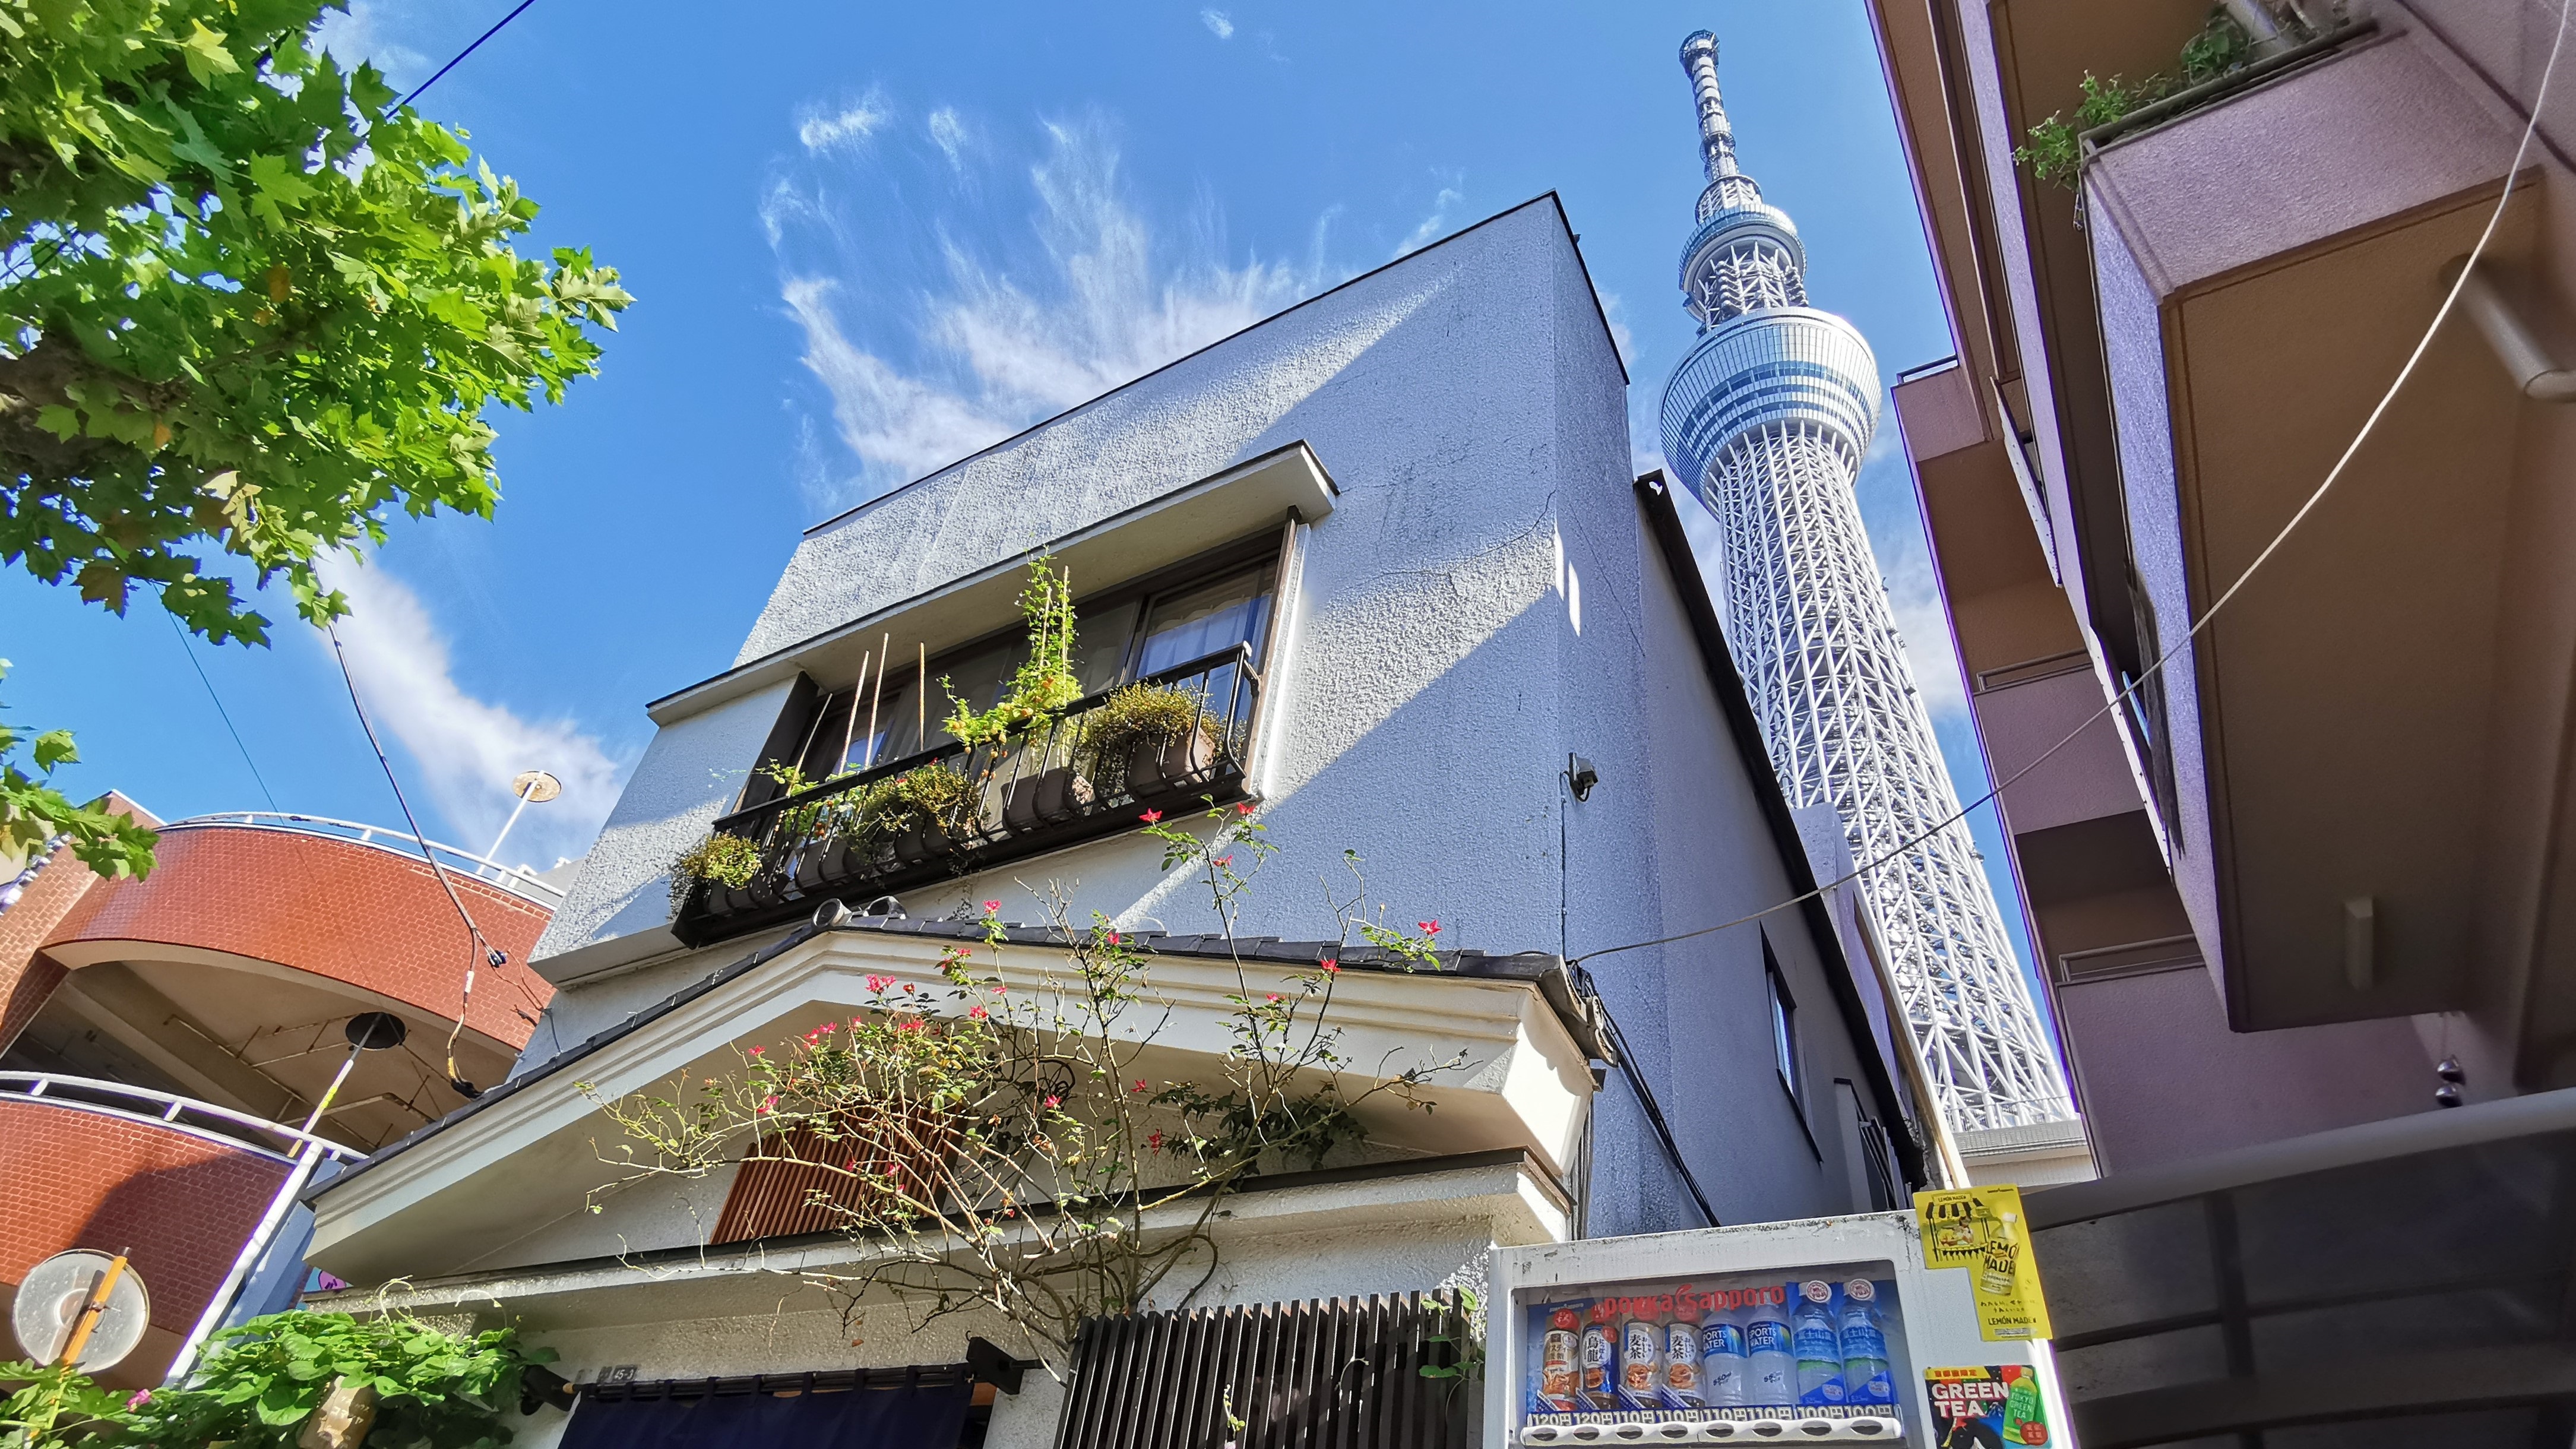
850,725
885,646
921,705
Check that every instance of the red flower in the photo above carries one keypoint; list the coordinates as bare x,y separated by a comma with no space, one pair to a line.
1055,1101
1429,928
1140,1085
756,1051
998,990
825,1027
1152,817
1114,938
977,1012
1333,966
1155,1142
879,983
1243,808
908,985
1224,860
1274,996
768,1104
991,906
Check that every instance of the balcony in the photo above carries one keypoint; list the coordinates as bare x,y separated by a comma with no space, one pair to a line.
1057,786
177,1181
2350,746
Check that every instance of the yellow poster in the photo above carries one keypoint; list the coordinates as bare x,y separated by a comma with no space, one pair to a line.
1982,1230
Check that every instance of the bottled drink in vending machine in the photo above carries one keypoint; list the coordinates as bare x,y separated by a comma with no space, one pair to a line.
1641,1362
1866,1377
1560,1363
1723,1379
1771,1370
1682,1388
1600,1357
1817,1341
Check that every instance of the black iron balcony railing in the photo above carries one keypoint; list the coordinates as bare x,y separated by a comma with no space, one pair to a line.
1069,781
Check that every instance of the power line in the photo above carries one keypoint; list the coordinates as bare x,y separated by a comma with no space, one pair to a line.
495,957
189,649
460,55
2513,174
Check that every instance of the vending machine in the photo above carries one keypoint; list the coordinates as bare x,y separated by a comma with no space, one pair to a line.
1827,1330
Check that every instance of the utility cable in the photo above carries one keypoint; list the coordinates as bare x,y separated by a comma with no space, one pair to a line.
190,650
1646,1099
460,55
495,957
2513,175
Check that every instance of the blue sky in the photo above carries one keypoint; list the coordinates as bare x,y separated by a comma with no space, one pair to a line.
866,240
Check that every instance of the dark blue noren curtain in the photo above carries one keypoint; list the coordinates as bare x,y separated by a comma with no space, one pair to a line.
903,1417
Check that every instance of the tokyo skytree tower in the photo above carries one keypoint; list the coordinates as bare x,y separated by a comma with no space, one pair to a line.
1768,417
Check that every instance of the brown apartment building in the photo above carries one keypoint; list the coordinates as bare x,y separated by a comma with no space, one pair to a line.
163,1039
2317,868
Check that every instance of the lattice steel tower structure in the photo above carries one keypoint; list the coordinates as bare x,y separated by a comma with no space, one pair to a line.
1768,417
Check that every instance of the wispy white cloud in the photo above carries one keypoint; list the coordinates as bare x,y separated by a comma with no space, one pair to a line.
1435,225
1614,311
1092,299
827,128
464,749
1886,492
1218,23
360,33
948,133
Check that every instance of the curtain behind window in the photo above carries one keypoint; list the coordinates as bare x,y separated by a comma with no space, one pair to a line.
1195,623
908,1416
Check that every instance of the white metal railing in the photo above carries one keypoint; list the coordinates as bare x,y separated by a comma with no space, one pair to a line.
168,1109
517,880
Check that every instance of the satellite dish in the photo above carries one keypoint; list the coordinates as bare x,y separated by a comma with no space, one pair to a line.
50,1302
535,786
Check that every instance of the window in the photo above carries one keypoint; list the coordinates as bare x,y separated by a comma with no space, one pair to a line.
1132,632
1784,1024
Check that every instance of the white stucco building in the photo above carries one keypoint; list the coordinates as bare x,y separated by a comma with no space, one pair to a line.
1390,538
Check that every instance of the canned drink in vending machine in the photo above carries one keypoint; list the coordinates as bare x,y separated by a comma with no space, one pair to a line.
1600,1354
1641,1363
1561,1363
1681,1360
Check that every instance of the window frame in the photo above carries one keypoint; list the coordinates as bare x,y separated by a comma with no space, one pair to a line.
1787,1058
1262,549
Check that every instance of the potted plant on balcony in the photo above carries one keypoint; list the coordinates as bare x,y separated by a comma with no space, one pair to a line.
921,812
1153,737
1019,729
725,864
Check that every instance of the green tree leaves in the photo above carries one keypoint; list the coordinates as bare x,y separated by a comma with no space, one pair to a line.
36,818
265,1378
239,312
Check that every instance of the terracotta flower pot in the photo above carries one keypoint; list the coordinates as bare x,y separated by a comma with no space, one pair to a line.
1156,766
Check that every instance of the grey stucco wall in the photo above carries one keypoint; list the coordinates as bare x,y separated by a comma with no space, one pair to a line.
1484,598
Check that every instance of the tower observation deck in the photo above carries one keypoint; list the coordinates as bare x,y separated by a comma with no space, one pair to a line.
1767,419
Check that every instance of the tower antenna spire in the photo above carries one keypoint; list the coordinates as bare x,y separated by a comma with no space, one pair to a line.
1767,420
1716,136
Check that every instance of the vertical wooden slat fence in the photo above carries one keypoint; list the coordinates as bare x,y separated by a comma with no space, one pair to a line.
1329,1374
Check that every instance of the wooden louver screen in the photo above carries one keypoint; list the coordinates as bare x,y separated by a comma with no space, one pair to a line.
772,1198
1343,1374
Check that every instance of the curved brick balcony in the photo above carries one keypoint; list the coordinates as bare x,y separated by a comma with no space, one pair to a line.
228,973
